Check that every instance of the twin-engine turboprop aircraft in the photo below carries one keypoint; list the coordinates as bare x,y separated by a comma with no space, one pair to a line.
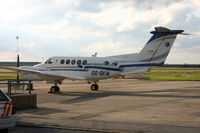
93,69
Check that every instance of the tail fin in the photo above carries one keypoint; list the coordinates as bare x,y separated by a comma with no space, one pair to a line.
158,47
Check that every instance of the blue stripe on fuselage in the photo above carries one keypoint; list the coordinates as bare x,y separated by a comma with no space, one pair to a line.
108,68
140,65
69,70
104,68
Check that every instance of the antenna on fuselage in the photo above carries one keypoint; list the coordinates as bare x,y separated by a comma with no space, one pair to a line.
95,54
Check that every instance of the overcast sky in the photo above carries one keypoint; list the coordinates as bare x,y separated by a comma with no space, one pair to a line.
82,27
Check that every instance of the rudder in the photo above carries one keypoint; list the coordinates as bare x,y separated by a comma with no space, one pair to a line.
158,47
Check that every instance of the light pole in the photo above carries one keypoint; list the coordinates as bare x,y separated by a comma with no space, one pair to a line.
17,37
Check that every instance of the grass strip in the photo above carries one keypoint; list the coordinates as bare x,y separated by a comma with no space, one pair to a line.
175,68
8,77
173,76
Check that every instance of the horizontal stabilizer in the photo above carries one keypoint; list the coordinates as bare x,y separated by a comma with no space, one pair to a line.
186,34
166,30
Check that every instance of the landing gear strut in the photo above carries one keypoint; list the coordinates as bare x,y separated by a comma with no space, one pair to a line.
94,87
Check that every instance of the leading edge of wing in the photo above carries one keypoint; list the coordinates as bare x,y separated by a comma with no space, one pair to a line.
36,70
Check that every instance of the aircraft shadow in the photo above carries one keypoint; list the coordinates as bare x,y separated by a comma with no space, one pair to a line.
87,96
44,111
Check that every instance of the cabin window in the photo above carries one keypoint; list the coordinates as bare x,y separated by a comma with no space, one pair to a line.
84,62
73,62
67,61
62,61
79,62
106,63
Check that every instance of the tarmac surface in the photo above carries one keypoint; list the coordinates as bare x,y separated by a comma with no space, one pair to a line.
121,105
27,129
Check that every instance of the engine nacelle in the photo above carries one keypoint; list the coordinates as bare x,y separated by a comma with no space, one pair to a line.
30,76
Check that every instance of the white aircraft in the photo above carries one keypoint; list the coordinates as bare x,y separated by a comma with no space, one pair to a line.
93,69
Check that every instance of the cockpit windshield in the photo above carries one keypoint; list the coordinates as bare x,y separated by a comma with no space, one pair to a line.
49,61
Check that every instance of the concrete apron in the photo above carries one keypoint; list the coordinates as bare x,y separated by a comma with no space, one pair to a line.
122,106
102,126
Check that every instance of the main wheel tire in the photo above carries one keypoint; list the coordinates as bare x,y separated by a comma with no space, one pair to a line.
53,89
94,87
57,88
97,87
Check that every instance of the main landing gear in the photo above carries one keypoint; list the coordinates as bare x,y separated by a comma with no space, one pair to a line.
55,88
94,87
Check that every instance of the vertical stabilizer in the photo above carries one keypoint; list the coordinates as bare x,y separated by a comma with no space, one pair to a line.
158,47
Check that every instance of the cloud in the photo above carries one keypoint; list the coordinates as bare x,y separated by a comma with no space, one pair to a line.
125,15
81,27
6,47
189,55
8,56
153,4
104,48
196,3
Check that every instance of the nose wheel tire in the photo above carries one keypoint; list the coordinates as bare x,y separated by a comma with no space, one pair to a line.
94,87
54,89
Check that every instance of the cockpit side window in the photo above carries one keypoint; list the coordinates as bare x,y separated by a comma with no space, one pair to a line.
50,61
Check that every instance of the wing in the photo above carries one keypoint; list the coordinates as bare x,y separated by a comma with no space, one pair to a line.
42,72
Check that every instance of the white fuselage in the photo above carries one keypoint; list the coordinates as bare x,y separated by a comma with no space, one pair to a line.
88,68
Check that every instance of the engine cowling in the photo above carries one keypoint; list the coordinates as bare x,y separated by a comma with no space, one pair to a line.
30,76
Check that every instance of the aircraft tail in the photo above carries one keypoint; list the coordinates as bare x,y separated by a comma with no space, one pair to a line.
158,47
